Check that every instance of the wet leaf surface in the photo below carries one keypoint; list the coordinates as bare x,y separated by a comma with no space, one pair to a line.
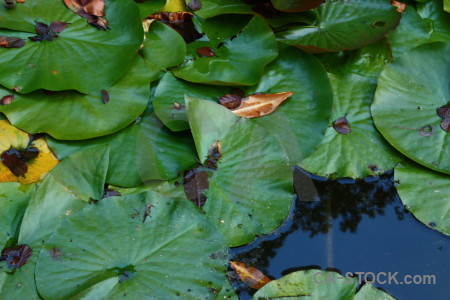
16,256
251,276
255,106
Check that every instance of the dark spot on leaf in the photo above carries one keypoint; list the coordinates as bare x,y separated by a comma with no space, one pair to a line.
105,96
374,168
30,153
12,159
58,26
205,52
445,124
230,101
214,154
379,24
250,216
16,256
9,3
419,107
181,22
178,106
11,42
147,212
124,276
443,112
426,130
194,5
342,126
195,182
110,193
432,224
8,99
55,253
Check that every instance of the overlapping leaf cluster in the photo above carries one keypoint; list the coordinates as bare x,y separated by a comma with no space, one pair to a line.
135,119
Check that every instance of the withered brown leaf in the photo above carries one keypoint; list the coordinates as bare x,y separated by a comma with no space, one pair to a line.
230,101
92,10
342,126
16,256
11,42
206,52
180,22
443,111
8,99
195,182
251,276
255,106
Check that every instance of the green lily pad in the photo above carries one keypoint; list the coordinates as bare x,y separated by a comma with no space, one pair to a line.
62,64
296,5
425,194
158,40
447,5
298,124
153,236
411,33
437,20
149,7
71,115
314,284
367,20
230,64
63,191
369,292
361,151
409,92
14,199
145,150
211,8
250,193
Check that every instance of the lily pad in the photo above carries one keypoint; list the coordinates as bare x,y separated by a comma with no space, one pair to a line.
411,33
425,194
62,192
367,20
145,150
316,284
143,256
296,5
369,292
71,115
437,20
61,64
158,40
230,64
409,92
148,7
211,8
362,151
250,193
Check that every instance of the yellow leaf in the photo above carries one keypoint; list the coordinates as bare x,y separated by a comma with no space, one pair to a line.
36,168
252,277
255,106
174,6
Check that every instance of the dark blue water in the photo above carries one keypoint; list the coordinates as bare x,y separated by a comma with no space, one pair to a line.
353,227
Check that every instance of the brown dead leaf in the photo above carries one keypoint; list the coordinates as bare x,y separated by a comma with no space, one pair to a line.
445,124
255,106
230,101
205,52
11,42
252,277
179,21
92,10
342,126
401,7
443,111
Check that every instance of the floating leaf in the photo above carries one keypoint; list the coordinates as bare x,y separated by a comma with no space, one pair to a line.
23,160
92,260
251,276
250,192
58,112
425,194
230,65
255,106
409,92
62,64
367,20
436,19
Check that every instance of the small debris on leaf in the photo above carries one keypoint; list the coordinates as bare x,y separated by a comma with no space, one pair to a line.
401,7
195,182
9,3
251,276
214,154
92,10
426,130
205,52
12,159
180,22
8,99
48,33
16,256
443,111
230,101
11,42
105,96
342,126
445,124
194,5
58,26
55,253
255,106
110,193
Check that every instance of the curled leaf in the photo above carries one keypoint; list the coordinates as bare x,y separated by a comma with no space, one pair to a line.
181,22
255,106
252,277
230,101
342,126
92,10
11,42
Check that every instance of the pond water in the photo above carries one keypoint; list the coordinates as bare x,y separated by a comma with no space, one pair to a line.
351,226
